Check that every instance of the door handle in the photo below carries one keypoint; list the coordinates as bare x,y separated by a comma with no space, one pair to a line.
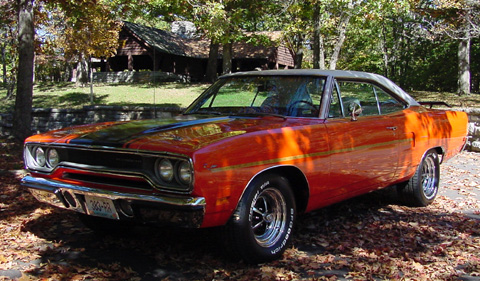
392,128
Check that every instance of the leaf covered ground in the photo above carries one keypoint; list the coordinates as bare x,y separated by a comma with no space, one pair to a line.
367,238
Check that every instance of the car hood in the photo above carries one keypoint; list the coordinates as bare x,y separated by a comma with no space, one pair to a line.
180,134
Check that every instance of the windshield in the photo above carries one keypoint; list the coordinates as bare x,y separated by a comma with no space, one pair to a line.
297,96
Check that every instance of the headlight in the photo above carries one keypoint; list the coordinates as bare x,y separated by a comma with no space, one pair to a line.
52,157
165,170
184,172
40,157
174,173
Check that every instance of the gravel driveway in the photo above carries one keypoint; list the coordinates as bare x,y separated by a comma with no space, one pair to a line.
460,181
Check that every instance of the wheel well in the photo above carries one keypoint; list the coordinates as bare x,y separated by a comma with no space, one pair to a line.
298,183
440,151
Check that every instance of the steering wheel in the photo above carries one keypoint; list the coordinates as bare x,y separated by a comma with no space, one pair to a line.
292,107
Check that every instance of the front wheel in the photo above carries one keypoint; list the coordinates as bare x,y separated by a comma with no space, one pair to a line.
422,188
261,227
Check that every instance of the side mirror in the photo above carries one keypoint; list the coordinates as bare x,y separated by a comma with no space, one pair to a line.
356,110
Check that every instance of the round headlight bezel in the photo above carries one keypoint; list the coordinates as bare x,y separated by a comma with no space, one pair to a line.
174,173
53,158
184,172
40,157
165,170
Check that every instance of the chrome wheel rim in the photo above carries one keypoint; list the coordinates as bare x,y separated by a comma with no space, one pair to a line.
429,178
268,217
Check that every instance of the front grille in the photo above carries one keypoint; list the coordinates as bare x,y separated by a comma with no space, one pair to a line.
138,183
109,161
104,158
112,167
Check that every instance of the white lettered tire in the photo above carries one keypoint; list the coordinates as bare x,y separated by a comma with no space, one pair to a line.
422,189
261,227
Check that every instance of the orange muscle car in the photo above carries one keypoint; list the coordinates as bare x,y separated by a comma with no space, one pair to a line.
251,153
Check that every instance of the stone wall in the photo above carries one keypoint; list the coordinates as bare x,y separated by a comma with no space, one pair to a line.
50,119
473,143
138,77
44,119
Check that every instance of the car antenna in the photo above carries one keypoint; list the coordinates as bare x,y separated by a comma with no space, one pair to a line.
154,86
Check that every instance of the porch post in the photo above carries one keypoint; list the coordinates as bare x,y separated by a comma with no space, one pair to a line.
130,62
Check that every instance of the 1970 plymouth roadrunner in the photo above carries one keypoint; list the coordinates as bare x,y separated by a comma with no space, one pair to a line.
252,152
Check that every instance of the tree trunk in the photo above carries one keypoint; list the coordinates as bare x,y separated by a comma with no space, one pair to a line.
464,67
383,45
82,72
322,53
22,117
90,80
316,37
227,58
298,58
4,64
8,83
68,70
211,74
342,29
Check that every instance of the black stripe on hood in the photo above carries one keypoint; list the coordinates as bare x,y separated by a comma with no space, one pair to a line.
119,135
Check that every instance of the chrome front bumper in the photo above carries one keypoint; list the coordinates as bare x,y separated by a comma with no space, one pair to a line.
181,211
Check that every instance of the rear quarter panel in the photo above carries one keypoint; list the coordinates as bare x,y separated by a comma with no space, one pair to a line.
428,129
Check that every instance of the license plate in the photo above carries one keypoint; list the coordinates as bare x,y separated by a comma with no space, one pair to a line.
101,207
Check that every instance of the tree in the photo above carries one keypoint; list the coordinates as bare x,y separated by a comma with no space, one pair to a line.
87,29
23,102
346,12
8,53
296,17
211,73
92,31
459,20
229,21
214,20
383,39
323,24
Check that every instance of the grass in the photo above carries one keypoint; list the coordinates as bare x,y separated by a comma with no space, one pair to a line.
472,100
67,95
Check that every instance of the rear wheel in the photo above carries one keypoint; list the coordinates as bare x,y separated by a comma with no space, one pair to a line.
422,188
261,227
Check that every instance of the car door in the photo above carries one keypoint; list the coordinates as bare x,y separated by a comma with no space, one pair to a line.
362,139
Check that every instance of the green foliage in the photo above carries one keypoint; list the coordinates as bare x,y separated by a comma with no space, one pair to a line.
393,38
86,28
475,65
228,21
8,51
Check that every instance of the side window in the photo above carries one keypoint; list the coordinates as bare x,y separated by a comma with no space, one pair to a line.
386,102
358,94
335,110
371,99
